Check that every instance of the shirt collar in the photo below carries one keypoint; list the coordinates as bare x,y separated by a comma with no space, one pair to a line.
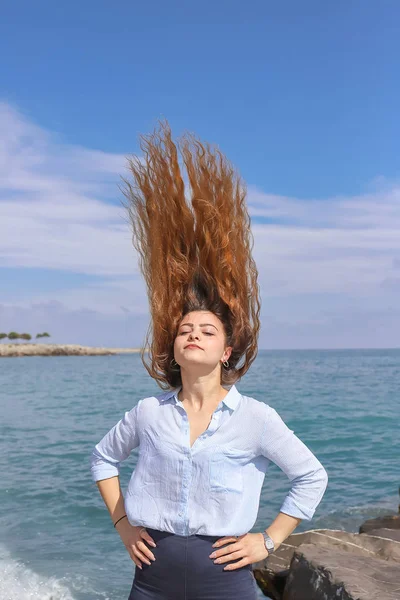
231,400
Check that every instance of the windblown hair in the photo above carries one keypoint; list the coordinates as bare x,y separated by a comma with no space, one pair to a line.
195,252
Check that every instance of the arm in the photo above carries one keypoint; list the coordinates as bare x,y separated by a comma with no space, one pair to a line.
132,537
281,527
110,491
116,446
306,474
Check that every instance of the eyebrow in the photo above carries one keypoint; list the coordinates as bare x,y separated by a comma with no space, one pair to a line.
201,325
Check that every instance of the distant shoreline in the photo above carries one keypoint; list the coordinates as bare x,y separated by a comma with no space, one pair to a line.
14,350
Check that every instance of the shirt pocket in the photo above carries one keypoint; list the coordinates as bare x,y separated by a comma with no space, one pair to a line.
226,471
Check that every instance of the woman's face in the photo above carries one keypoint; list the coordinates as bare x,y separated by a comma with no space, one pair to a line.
206,331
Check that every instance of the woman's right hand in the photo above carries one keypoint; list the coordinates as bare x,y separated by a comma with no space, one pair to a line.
134,541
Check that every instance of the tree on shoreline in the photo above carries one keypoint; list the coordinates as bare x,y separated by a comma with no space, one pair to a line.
13,336
41,335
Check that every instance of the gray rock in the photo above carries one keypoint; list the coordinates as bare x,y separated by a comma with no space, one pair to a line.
390,534
272,574
322,573
387,522
33,349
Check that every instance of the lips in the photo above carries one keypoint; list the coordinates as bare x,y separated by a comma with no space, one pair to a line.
193,346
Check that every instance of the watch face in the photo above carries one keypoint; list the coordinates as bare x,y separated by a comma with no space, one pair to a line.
269,544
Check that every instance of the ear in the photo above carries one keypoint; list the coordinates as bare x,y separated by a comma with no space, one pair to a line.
227,353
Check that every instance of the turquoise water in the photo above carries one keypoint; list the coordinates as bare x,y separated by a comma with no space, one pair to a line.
56,538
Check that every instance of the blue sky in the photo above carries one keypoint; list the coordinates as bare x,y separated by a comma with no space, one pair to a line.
302,96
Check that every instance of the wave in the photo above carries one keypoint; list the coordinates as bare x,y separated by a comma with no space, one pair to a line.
18,582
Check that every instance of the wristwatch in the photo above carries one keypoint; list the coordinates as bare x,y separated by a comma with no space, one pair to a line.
269,543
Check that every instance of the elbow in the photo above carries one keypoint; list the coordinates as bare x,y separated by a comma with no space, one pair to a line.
314,480
322,479
318,482
101,467
306,493
318,488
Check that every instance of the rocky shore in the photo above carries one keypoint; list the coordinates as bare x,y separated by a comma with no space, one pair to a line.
323,564
10,350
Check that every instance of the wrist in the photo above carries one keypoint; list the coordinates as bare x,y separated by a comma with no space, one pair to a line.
269,543
124,528
119,521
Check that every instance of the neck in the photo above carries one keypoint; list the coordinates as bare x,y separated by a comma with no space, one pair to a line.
201,394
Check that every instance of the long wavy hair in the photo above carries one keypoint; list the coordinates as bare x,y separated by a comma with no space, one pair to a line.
194,244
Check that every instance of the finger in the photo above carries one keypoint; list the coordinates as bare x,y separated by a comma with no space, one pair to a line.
224,540
228,557
135,560
237,565
146,536
141,556
226,550
143,548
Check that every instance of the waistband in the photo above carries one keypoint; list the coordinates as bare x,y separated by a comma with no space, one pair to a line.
163,534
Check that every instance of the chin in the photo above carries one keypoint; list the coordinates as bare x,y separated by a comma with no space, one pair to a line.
197,365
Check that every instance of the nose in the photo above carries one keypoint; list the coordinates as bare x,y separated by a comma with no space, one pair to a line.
193,336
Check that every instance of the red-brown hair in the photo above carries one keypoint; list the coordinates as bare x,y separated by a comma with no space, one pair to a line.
194,251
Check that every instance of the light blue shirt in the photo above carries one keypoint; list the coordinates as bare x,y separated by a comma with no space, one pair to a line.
213,487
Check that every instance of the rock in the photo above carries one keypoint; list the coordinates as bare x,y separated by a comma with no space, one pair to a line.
390,534
387,522
10,350
354,543
322,573
272,585
272,574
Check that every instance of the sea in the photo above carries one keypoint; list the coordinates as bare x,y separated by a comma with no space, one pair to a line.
56,537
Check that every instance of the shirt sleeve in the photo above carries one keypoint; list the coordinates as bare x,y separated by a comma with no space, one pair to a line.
307,476
115,446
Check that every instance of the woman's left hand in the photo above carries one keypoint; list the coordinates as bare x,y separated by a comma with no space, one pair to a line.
249,548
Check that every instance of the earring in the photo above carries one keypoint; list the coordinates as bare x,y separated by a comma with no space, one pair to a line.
174,364
226,364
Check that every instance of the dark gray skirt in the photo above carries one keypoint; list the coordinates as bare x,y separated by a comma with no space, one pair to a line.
183,571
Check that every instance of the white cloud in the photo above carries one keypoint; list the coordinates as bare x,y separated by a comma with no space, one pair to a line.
60,209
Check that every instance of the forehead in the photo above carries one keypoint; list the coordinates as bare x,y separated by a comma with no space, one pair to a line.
200,316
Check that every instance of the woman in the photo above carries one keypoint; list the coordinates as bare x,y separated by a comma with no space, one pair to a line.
204,447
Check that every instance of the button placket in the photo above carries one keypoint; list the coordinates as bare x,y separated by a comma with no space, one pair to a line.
186,481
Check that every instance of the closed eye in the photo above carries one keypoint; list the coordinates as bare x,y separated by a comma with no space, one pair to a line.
186,332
